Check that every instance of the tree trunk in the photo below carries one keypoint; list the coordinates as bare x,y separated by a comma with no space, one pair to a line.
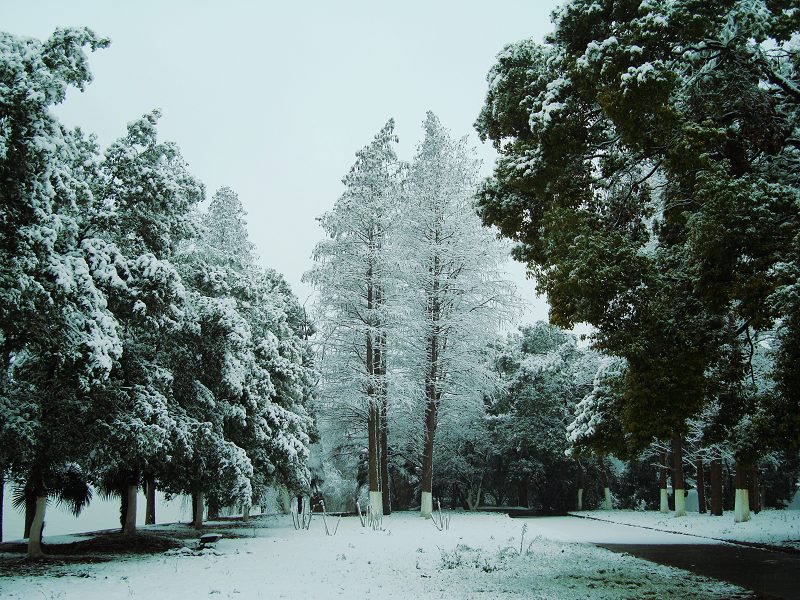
373,417
474,498
245,512
579,505
677,476
375,496
729,486
716,487
701,487
150,503
198,511
607,503
431,390
662,483
741,507
129,527
426,504
384,426
123,507
212,506
35,539
2,494
580,498
30,510
755,500
382,406
522,493
286,500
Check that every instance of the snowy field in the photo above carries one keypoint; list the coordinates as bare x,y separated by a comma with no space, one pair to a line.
774,527
481,556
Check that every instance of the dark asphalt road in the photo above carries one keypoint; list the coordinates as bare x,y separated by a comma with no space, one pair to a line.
770,574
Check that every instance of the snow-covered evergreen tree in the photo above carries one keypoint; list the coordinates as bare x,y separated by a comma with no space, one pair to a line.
648,171
249,359
147,196
352,273
542,377
456,294
59,340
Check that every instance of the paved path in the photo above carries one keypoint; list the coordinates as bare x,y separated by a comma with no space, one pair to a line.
768,573
771,574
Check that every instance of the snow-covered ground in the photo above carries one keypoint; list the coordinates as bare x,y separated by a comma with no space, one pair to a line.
774,527
481,556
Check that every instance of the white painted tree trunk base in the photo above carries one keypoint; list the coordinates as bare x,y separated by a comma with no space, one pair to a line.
35,540
664,501
741,507
580,498
376,502
130,515
607,503
426,506
680,503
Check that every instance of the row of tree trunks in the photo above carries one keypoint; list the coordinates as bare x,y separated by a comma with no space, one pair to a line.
746,489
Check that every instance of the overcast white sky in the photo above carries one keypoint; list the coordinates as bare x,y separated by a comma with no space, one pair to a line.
274,99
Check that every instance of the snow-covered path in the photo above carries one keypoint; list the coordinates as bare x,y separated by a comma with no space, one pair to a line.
771,527
573,529
479,557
